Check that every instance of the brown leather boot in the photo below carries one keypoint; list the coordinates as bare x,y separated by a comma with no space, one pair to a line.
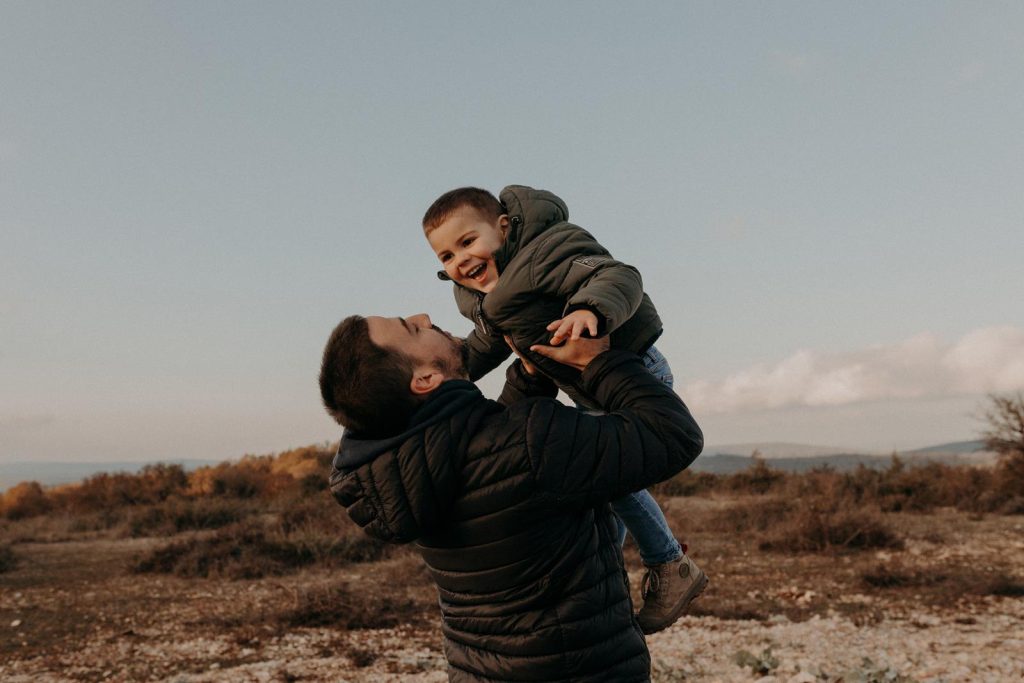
668,589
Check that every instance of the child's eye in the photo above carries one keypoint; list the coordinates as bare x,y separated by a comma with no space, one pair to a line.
446,258
468,241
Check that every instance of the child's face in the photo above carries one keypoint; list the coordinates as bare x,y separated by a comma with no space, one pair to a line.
465,243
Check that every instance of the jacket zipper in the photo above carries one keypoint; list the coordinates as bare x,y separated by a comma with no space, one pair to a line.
481,319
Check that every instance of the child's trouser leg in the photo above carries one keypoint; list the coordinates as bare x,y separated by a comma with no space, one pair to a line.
642,516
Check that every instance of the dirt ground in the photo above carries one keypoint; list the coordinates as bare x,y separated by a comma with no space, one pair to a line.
946,607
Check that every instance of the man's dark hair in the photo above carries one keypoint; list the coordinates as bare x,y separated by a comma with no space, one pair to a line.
365,387
445,205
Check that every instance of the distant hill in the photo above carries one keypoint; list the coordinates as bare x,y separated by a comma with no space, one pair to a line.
954,447
777,449
53,473
957,453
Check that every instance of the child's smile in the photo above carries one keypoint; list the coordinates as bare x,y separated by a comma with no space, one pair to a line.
465,243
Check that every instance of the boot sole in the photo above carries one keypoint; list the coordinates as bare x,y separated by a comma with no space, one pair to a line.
680,608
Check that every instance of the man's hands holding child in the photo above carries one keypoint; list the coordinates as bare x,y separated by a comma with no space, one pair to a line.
572,326
574,353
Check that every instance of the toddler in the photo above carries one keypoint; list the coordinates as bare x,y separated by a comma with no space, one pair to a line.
521,271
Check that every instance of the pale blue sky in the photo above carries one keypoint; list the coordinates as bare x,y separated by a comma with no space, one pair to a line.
193,194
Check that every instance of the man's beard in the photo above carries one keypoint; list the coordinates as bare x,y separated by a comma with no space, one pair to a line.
455,365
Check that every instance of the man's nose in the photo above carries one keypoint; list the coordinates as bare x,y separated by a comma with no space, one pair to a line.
421,320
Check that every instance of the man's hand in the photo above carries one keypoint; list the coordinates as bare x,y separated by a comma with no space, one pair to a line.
530,368
572,326
575,353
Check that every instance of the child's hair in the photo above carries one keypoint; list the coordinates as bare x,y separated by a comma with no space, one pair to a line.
445,205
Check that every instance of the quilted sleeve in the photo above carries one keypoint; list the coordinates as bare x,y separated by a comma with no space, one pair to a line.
647,436
571,265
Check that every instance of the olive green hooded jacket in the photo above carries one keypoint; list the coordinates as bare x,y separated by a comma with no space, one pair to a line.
547,268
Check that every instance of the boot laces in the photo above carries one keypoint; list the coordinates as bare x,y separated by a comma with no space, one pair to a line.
651,583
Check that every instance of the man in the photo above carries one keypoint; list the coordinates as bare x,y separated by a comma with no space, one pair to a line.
507,501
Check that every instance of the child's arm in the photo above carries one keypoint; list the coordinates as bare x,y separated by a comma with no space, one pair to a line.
486,352
571,264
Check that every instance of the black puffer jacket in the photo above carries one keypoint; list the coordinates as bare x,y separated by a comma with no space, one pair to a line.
508,507
548,267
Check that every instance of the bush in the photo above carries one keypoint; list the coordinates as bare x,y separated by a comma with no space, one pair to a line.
758,478
26,499
758,515
248,551
339,606
251,477
236,552
182,514
898,576
825,525
153,484
7,558
687,483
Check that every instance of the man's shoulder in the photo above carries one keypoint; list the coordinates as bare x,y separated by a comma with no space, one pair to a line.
522,422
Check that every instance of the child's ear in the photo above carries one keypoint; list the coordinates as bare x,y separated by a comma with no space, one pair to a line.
425,380
503,224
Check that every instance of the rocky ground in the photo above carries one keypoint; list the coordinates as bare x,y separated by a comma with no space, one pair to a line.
71,610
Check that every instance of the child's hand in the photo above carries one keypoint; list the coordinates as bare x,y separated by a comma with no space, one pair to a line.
572,326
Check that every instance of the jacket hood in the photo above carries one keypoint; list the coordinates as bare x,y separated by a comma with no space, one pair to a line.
530,212
449,398
398,488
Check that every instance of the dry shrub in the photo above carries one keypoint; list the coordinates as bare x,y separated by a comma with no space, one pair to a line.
248,551
400,592
917,488
236,552
309,461
339,605
756,515
822,525
182,514
26,499
687,483
7,558
759,478
153,484
966,581
1001,584
250,477
895,575
313,511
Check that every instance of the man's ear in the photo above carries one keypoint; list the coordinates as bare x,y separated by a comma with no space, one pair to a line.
425,379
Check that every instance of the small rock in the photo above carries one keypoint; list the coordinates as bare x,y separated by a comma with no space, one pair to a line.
16,623
803,677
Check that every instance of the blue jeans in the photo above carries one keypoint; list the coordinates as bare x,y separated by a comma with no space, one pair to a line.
639,512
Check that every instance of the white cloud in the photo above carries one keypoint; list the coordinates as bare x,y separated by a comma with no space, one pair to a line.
990,359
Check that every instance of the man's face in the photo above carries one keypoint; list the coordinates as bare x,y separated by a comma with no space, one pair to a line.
465,243
427,344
